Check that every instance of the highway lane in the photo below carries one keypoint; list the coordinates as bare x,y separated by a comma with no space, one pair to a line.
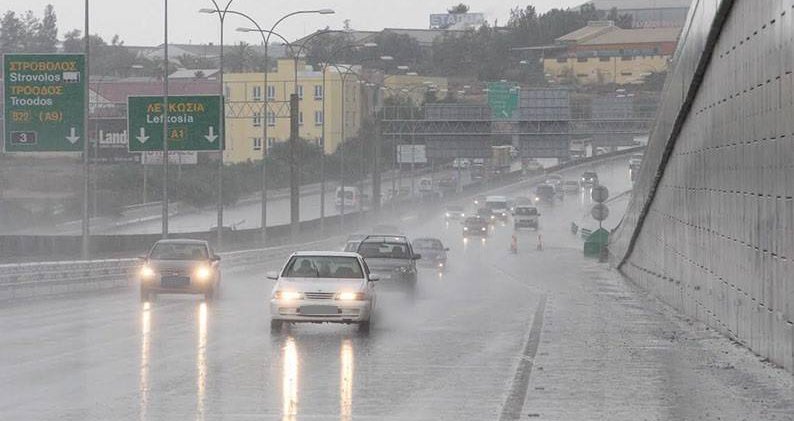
152,360
451,355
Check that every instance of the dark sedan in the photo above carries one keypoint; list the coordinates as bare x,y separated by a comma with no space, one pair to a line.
180,267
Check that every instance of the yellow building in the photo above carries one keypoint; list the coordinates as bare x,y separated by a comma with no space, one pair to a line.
602,53
245,120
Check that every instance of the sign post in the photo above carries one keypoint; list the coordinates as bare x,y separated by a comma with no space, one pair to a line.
192,123
44,102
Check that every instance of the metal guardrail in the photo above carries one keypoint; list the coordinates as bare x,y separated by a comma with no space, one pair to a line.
21,280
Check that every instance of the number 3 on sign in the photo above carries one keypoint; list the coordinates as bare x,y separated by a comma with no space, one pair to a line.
177,133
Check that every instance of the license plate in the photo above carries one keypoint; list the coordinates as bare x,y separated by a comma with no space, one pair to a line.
174,281
319,310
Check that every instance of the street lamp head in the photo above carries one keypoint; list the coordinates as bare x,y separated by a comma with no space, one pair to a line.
326,11
523,62
369,44
208,11
412,74
387,58
403,67
245,30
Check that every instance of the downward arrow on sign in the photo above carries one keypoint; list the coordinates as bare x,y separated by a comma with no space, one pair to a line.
142,137
72,138
211,136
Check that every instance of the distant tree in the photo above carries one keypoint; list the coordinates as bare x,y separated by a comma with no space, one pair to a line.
346,25
12,33
458,9
625,21
240,58
195,62
47,36
73,41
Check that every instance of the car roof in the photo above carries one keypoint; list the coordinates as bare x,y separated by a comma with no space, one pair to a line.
495,198
326,253
427,238
182,241
383,237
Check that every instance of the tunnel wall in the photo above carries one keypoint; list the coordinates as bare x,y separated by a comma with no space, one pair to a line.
709,227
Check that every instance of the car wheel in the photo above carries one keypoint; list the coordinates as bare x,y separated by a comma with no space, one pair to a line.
364,327
275,326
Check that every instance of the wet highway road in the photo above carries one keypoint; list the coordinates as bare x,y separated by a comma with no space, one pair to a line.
463,351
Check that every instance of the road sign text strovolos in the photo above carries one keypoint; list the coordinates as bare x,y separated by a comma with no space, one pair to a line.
44,100
193,123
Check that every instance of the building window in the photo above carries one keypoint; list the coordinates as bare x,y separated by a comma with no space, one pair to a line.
300,91
270,142
257,143
603,59
271,119
318,118
582,59
318,91
300,118
226,91
627,58
256,93
271,92
562,59
582,75
257,119
625,73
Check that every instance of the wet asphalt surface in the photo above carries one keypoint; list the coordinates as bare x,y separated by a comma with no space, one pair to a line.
455,353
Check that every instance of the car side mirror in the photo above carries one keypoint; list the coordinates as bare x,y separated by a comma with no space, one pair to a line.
374,277
144,258
417,257
446,248
272,275
216,258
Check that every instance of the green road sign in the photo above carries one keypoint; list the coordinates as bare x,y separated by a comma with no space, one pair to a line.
44,102
192,123
503,99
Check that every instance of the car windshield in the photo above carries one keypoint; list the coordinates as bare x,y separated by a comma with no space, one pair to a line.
323,267
427,243
526,211
545,188
179,251
455,208
475,221
384,250
494,204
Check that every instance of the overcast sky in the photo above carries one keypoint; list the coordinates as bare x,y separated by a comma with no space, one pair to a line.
139,22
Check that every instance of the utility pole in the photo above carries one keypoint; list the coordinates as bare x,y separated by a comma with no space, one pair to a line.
86,172
294,190
165,123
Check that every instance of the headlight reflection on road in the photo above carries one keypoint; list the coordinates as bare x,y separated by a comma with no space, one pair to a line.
346,381
143,386
201,361
289,381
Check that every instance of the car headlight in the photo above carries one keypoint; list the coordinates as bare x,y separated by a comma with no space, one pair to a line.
440,264
447,214
203,273
465,228
147,272
288,295
492,217
350,296
483,228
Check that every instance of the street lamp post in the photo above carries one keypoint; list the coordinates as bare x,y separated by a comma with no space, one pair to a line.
222,123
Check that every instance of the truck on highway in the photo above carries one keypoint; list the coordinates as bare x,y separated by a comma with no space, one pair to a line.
501,158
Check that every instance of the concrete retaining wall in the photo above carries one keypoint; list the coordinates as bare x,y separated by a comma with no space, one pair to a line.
710,228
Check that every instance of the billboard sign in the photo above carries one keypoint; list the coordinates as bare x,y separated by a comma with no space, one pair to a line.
447,20
44,97
407,154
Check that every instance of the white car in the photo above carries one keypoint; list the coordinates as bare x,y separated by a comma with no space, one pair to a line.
323,287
